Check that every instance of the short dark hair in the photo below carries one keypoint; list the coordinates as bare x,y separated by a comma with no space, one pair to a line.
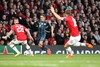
42,15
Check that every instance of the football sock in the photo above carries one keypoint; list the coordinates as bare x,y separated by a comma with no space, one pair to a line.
44,47
69,50
29,49
83,44
14,48
80,44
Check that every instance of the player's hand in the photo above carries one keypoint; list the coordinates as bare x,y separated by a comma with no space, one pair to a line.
4,37
52,9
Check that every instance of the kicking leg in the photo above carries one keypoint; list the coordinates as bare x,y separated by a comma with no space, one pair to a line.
76,42
29,49
83,44
44,47
14,48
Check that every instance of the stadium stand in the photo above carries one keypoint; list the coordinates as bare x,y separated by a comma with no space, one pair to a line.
86,13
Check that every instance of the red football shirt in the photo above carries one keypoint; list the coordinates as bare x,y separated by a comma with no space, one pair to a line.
71,24
19,31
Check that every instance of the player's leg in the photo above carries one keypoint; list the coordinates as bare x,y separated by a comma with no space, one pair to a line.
11,44
40,44
68,48
77,43
44,47
83,44
41,38
28,47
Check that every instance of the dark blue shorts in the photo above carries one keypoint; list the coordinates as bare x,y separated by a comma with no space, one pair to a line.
41,37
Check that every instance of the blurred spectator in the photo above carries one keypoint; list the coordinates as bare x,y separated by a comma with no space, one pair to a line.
50,40
58,37
85,39
86,13
35,38
97,36
92,42
67,33
2,42
54,42
91,37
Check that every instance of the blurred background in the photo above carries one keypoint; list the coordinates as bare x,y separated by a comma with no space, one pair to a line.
86,13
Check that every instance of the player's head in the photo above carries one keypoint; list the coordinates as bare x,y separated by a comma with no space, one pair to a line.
42,17
68,11
16,21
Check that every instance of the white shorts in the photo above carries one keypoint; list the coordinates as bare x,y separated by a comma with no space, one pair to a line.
15,41
73,40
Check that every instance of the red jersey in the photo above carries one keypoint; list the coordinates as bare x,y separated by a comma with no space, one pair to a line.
71,24
19,31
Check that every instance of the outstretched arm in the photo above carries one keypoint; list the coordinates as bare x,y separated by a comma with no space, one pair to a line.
55,14
8,34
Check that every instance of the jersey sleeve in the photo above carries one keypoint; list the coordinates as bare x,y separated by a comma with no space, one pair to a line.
64,18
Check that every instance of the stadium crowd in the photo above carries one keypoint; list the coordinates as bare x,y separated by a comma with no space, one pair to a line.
86,13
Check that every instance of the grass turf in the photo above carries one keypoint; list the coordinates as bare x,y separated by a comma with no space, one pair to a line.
92,60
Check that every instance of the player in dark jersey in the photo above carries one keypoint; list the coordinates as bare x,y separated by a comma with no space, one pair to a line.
42,25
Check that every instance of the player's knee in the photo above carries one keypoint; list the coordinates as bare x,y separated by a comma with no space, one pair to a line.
10,43
40,45
66,46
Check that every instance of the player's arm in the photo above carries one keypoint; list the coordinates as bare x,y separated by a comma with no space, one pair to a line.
29,34
55,14
52,31
8,34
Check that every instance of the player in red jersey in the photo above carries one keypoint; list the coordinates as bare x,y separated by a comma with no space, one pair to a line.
73,29
20,32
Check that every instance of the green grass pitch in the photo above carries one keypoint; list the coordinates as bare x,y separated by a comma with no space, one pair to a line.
89,60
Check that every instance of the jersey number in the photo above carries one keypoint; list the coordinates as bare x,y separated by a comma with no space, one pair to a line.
74,21
20,29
